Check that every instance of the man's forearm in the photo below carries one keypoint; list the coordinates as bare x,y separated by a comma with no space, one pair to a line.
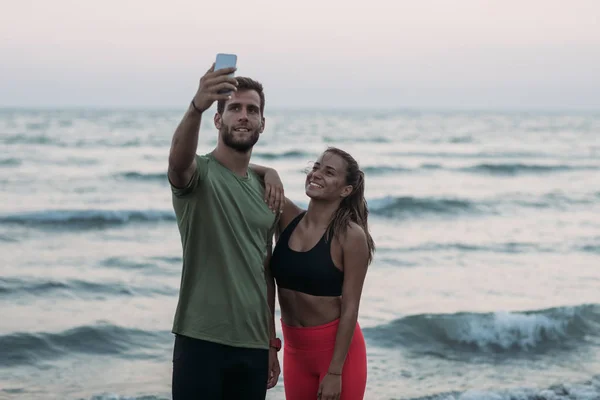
271,301
185,141
270,295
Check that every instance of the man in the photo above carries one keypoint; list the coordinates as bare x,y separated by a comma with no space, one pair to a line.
225,345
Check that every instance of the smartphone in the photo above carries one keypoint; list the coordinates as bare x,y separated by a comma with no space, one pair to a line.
225,61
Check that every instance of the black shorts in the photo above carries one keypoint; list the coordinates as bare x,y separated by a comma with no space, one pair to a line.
212,371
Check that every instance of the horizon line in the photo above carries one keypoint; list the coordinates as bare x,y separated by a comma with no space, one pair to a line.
90,107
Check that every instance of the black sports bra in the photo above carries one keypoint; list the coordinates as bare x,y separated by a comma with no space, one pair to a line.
312,272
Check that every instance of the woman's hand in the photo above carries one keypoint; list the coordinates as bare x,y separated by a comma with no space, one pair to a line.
274,196
330,387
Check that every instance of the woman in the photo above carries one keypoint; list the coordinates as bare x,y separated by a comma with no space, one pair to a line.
319,265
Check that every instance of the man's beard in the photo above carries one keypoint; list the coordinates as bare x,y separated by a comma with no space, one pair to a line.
243,145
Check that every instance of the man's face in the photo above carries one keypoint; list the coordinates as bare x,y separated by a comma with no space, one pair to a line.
241,123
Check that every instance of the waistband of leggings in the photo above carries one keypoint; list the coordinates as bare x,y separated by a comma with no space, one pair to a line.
320,337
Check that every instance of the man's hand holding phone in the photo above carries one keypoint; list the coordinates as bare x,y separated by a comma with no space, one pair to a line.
210,84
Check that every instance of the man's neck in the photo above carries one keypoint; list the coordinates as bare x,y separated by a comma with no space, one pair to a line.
233,160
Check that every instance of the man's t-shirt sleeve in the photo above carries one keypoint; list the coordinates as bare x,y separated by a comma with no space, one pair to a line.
195,181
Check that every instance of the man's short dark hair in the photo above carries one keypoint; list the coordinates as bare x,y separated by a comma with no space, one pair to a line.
245,83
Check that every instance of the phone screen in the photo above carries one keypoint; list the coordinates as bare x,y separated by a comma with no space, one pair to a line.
225,61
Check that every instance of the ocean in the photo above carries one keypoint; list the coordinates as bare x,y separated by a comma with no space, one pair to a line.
485,282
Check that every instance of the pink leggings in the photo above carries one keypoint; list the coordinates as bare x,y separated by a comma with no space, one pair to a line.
306,356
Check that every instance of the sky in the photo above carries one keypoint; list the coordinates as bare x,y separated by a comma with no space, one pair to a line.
514,54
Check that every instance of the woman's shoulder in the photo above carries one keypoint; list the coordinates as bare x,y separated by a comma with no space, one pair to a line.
354,235
290,212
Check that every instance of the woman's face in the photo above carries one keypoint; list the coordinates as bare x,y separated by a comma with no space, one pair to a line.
327,178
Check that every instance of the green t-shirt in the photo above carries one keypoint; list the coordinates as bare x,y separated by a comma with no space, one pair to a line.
226,229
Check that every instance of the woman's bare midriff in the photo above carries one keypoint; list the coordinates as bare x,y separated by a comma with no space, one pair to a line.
304,310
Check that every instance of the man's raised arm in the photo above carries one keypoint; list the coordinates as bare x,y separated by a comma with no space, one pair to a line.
182,156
